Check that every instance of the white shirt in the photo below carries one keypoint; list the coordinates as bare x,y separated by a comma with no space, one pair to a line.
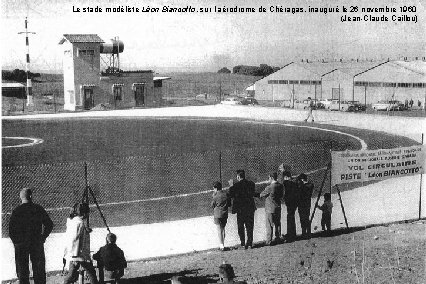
77,240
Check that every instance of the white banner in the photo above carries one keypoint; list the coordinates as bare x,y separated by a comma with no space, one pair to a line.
366,165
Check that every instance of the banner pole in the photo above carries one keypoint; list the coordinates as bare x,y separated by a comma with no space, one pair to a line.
343,208
320,191
420,193
331,160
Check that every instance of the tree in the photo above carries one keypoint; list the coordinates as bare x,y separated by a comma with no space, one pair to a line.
224,70
265,70
18,75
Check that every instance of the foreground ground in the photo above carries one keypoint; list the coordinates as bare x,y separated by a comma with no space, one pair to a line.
392,253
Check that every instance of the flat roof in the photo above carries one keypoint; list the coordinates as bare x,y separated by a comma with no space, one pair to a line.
12,85
161,78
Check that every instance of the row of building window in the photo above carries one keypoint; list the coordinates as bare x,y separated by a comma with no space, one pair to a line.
300,82
86,52
357,83
390,85
117,90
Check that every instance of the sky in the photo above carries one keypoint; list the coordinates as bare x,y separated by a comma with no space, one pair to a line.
198,41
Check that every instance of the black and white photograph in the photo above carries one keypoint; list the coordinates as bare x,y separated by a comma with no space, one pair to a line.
257,142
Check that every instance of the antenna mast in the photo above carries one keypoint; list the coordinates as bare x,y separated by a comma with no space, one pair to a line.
27,65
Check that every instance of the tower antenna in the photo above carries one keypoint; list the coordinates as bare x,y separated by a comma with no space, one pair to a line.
27,65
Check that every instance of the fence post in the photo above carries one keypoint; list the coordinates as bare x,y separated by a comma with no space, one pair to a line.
54,101
220,166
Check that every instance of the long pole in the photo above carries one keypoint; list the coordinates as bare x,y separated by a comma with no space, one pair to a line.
86,192
365,96
420,194
220,166
54,101
339,96
343,208
320,191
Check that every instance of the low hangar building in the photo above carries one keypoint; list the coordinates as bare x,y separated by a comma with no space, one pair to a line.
366,82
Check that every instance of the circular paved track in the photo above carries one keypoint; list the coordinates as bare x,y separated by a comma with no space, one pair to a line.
88,139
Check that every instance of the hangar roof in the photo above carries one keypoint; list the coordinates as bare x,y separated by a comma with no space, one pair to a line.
395,72
416,66
74,38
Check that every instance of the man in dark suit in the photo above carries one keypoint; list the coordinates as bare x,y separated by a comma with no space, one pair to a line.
291,200
29,227
242,193
274,194
305,189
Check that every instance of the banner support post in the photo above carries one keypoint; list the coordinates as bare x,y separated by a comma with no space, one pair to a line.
343,208
420,193
320,191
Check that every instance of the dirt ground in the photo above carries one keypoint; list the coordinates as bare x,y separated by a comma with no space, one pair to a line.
394,253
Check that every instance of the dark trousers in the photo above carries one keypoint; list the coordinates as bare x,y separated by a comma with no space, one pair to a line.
72,275
326,221
291,222
273,221
304,220
108,274
245,219
35,252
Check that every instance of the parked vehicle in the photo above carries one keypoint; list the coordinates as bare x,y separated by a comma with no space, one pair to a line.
342,105
249,101
231,101
388,105
305,104
360,106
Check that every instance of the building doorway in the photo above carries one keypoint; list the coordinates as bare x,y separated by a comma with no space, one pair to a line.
337,93
139,90
88,99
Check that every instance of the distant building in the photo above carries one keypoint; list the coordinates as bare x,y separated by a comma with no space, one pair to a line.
366,82
86,85
251,90
13,89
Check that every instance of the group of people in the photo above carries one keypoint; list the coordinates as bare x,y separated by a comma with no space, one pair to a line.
29,227
294,193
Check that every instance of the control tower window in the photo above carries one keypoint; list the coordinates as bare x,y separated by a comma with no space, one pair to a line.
87,55
118,93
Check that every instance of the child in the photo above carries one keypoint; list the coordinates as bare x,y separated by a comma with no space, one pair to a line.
220,204
111,258
326,208
227,275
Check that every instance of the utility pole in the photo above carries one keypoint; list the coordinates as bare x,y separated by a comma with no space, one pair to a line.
27,65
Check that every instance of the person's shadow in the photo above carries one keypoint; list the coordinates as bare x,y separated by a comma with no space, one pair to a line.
185,277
